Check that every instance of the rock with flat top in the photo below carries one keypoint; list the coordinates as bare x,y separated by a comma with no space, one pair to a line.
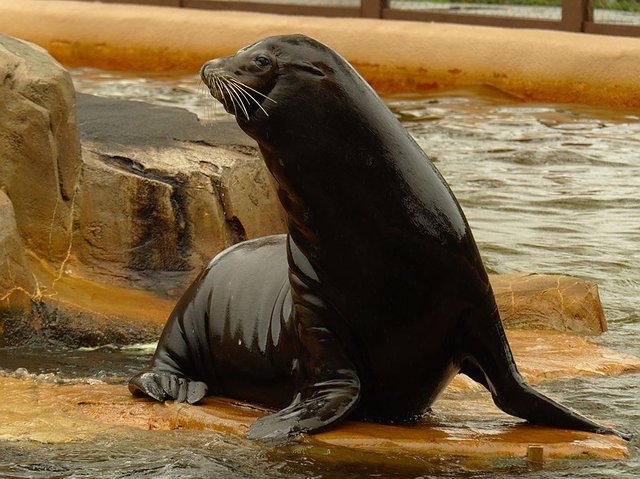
464,422
161,194
542,301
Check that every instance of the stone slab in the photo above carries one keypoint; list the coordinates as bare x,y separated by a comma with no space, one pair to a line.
464,421
136,123
543,301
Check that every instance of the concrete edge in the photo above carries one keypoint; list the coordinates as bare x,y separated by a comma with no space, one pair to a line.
393,56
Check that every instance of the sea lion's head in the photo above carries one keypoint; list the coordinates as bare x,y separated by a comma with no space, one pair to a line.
310,112
281,80
242,82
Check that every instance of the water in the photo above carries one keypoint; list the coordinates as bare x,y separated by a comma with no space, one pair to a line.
546,188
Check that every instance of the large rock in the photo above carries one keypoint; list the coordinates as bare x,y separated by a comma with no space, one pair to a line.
15,279
153,195
543,301
40,149
160,193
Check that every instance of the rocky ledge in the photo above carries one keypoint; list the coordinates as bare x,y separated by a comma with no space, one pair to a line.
109,205
464,421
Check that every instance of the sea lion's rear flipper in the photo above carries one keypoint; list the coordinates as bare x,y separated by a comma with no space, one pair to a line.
490,362
161,385
329,385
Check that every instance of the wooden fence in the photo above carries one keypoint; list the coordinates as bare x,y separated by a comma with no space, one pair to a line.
576,15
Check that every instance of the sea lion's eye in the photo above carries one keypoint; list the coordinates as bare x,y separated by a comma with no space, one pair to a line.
262,61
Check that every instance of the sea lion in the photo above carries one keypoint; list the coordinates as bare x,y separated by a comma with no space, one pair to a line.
377,295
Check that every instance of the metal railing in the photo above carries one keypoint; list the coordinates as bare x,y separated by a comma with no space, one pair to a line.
568,15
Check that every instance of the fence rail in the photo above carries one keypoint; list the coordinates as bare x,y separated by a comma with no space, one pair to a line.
574,15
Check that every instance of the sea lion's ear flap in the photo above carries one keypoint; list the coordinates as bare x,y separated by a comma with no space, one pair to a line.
311,68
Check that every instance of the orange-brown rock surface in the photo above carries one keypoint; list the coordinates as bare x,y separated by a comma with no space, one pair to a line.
540,301
464,421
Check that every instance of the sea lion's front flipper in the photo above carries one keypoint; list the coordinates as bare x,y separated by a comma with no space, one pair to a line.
161,385
490,362
329,390
329,386
315,407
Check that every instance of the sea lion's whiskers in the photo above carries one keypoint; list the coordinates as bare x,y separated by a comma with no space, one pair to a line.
216,85
202,93
233,94
252,89
220,92
231,97
249,96
242,92
237,95
209,102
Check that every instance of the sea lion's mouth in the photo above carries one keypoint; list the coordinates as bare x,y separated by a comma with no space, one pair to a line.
239,99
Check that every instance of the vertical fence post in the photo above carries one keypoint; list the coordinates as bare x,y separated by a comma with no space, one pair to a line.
372,8
575,13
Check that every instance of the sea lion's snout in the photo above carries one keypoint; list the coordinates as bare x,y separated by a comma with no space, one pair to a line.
241,82
213,74
210,69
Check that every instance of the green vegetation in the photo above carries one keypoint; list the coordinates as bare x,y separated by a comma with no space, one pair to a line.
540,3
624,5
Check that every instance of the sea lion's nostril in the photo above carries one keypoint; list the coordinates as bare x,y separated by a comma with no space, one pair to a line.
209,68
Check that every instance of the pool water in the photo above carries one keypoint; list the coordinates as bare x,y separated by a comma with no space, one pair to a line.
546,188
